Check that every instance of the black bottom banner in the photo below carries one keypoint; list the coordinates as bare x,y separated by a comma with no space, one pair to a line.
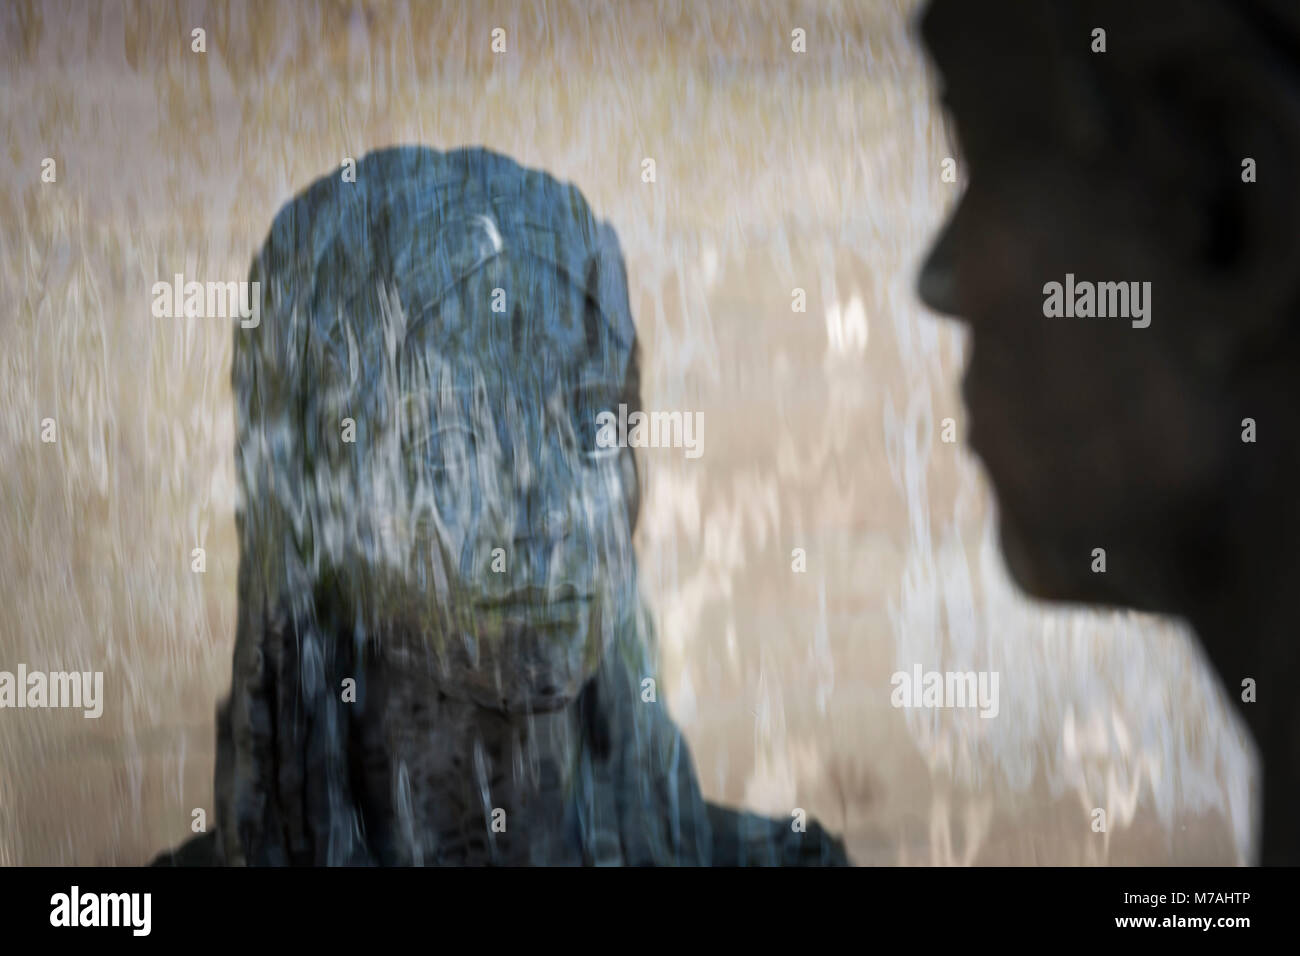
217,906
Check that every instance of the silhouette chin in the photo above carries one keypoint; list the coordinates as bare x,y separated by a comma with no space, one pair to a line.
1038,569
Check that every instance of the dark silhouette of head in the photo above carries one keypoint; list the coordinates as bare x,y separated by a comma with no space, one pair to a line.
1169,158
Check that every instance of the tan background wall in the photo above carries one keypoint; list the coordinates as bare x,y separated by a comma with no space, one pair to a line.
775,171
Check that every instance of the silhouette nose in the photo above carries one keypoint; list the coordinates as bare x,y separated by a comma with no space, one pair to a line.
937,283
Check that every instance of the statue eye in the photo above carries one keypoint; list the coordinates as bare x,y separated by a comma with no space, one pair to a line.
587,403
443,449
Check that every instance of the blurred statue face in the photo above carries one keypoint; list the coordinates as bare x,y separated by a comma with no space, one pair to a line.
1096,432
496,537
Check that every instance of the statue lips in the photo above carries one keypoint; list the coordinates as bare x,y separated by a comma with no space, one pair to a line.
539,606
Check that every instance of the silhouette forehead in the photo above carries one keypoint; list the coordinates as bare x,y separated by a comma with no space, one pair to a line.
1013,71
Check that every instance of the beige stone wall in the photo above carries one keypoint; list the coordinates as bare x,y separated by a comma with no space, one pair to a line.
774,171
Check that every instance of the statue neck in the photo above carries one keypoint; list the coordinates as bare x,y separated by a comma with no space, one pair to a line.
445,780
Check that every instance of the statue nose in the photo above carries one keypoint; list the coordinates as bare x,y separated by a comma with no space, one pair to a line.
544,526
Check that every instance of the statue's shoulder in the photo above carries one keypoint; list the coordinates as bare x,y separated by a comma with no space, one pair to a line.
748,839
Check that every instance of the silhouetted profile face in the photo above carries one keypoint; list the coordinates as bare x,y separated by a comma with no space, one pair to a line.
1124,166
468,321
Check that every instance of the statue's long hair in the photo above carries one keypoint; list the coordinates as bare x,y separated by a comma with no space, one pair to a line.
285,791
